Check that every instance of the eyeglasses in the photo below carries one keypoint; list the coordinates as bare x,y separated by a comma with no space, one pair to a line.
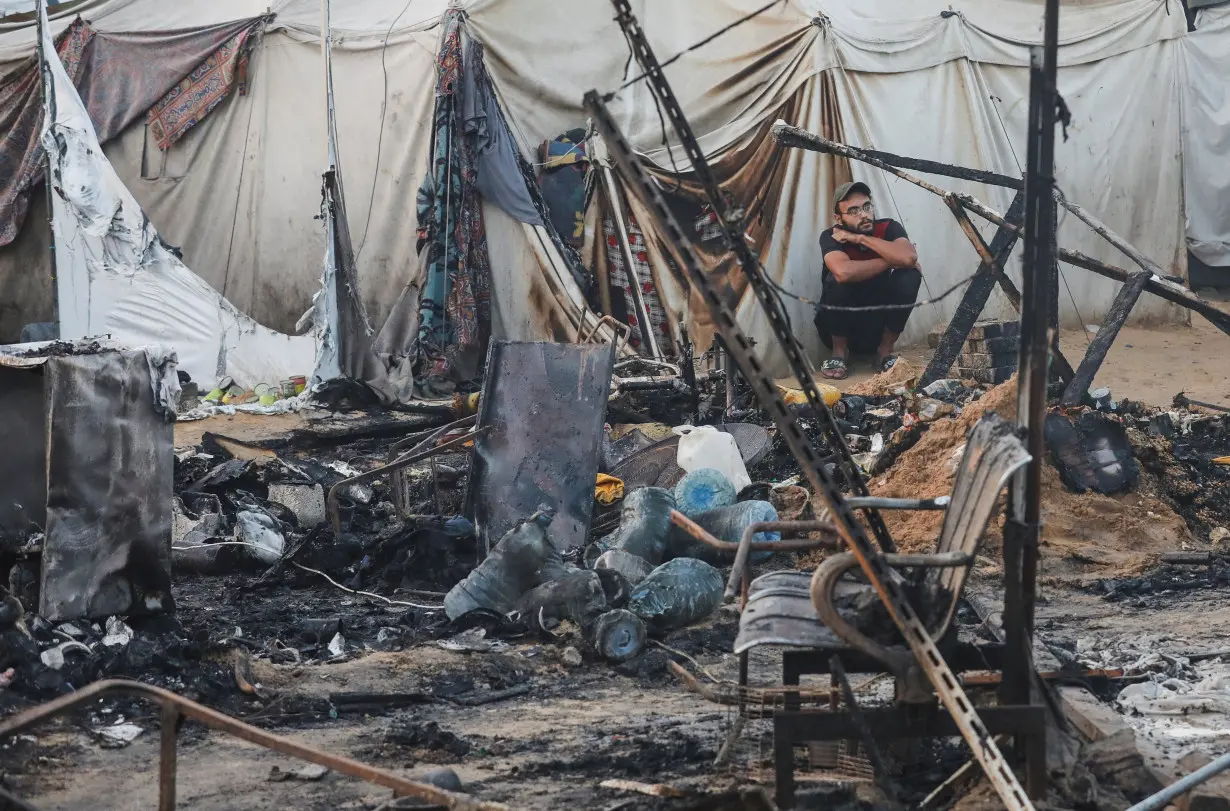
866,208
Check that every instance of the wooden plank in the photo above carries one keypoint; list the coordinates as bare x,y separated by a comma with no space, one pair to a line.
1161,287
802,139
985,252
1116,316
974,300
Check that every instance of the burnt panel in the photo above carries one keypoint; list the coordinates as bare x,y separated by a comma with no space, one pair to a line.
109,464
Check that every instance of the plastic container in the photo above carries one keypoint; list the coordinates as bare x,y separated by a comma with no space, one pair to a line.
829,394
618,635
726,524
262,533
511,569
703,446
704,489
633,567
578,596
677,594
644,525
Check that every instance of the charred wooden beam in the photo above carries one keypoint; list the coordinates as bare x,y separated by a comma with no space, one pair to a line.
988,256
1157,284
793,136
974,299
1116,316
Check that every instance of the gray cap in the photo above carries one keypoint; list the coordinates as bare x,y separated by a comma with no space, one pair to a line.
846,189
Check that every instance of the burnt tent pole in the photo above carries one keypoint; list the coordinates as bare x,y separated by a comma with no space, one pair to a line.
49,114
1022,529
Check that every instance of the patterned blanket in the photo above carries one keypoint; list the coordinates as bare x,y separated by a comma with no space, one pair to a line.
119,76
203,89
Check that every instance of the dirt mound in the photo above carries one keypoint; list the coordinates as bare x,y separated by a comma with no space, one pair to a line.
903,373
1084,536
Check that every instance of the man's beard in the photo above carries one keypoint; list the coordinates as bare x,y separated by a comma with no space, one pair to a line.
866,226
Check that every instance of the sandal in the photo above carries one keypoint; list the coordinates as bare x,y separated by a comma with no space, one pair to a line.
887,362
834,369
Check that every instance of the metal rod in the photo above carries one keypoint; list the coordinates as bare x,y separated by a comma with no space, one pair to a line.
625,247
1035,340
881,503
233,726
746,544
169,734
1181,787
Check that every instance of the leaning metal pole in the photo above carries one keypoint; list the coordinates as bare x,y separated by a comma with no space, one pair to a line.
923,653
1021,532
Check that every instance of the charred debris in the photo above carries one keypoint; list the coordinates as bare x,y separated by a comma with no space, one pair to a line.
286,550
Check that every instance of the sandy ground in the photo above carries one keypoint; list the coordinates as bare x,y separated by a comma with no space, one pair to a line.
1149,364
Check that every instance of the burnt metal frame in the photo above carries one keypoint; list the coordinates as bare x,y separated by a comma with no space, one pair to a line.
175,708
852,531
1150,277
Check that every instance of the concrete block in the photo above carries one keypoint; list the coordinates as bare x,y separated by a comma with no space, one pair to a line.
995,329
982,360
988,377
994,345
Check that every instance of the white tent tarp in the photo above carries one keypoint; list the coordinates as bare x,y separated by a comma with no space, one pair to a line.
1206,136
239,193
117,277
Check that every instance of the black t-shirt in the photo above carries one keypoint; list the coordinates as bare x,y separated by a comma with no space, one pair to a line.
886,229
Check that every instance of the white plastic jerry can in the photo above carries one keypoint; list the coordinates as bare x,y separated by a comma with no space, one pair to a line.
705,446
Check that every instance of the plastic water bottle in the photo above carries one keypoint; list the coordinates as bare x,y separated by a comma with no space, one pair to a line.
513,567
644,525
677,593
705,446
618,635
704,489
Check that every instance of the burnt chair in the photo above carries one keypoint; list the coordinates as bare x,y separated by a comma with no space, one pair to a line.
798,612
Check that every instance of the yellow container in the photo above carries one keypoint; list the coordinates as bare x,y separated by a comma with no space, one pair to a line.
830,394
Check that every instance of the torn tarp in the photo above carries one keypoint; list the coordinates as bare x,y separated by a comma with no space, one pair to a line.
118,77
117,277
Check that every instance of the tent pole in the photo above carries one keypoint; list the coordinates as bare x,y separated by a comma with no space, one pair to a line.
49,111
1022,530
625,247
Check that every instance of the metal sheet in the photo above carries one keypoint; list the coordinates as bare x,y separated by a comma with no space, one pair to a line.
545,404
109,480
23,480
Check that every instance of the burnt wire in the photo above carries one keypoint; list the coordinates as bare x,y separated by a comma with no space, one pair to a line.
384,108
664,64
871,307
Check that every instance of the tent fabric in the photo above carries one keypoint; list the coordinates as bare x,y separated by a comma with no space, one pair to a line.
238,191
117,277
1206,136
119,77
203,89
498,173
455,311
895,36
